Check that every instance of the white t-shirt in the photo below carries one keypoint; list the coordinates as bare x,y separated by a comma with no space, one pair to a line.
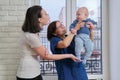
29,66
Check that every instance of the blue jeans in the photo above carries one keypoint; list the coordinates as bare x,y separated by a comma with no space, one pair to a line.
83,40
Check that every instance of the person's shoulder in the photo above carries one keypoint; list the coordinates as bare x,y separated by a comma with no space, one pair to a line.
75,21
29,35
54,38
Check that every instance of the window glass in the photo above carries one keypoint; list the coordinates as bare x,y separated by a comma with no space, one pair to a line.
56,11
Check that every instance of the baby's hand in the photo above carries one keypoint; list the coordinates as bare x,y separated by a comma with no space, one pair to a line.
90,25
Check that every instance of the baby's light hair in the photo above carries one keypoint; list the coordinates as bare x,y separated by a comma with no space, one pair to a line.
84,9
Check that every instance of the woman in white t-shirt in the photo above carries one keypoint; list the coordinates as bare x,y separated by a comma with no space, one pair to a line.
31,46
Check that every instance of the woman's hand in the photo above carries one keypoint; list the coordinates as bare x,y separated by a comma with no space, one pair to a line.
73,31
79,25
74,58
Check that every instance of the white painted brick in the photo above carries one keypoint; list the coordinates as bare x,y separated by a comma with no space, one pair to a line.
17,2
2,67
8,40
12,67
11,29
13,77
14,35
3,77
8,8
3,24
15,24
6,73
4,2
8,61
9,55
9,18
8,45
16,13
3,13
0,17
22,8
1,29
3,34
26,2
20,18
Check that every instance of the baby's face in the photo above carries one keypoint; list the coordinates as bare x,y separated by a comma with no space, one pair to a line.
81,15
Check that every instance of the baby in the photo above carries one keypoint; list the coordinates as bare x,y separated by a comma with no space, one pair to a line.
85,35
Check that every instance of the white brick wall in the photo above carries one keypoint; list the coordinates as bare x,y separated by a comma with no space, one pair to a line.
12,14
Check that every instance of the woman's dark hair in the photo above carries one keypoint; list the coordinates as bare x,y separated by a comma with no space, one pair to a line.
51,29
31,23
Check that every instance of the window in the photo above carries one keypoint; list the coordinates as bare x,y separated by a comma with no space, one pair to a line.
65,10
55,9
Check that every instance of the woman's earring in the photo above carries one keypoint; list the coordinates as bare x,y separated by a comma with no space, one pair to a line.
39,20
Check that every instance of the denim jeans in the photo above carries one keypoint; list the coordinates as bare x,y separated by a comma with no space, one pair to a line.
83,40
